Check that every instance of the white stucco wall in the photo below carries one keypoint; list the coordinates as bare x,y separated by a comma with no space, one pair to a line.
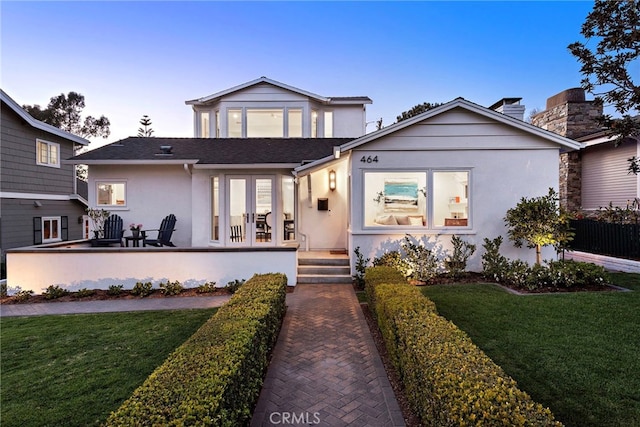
324,230
98,268
153,192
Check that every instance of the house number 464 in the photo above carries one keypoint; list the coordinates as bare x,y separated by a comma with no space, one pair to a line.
369,159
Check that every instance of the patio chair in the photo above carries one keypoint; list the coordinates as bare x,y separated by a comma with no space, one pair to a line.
167,227
236,233
112,232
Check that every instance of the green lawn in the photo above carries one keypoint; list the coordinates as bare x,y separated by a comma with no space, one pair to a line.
577,353
74,370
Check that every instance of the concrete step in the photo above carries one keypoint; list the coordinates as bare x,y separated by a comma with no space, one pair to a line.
324,261
324,270
319,279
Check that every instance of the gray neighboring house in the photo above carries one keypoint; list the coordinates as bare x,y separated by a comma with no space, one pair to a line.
40,199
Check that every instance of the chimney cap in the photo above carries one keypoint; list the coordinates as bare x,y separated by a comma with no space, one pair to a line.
575,94
505,101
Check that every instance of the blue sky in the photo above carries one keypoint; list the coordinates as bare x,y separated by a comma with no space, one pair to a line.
135,58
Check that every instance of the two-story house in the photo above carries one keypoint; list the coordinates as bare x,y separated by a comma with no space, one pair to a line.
275,167
39,193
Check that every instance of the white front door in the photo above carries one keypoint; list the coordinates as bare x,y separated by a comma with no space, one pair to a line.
250,210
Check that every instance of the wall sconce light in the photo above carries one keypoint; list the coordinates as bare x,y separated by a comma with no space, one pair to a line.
37,204
332,180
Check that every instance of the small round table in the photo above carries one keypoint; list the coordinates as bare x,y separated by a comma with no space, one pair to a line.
135,241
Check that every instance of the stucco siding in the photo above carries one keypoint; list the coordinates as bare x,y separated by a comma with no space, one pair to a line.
605,178
152,192
498,179
19,170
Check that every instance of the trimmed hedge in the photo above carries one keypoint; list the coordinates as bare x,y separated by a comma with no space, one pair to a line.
448,380
215,377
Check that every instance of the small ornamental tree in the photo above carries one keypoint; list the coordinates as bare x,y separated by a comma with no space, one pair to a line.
538,222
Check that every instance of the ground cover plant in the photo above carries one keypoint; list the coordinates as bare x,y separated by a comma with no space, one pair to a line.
75,370
576,353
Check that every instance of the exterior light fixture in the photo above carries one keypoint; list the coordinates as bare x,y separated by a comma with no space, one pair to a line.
332,180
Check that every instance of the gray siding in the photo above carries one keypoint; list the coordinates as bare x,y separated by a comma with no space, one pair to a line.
17,220
18,169
605,178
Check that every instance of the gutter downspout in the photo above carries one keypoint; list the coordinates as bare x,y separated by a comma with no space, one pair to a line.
186,169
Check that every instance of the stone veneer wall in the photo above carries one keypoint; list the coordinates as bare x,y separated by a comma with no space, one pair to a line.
570,115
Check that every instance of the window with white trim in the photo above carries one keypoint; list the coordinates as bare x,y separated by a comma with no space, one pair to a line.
113,194
428,199
328,124
215,208
51,229
204,124
47,153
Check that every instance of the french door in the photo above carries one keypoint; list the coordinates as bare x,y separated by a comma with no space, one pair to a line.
250,201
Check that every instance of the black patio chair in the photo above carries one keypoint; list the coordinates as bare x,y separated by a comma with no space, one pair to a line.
112,232
167,227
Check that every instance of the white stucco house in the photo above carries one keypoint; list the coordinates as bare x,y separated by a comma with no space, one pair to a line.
273,171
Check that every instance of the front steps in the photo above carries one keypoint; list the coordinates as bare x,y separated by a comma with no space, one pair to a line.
323,267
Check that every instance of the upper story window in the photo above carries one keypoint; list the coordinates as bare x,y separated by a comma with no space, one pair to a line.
265,122
234,123
204,124
111,194
217,123
328,124
47,153
294,122
314,123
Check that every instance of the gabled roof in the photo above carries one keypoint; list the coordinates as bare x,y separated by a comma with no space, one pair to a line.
322,99
564,143
37,123
266,152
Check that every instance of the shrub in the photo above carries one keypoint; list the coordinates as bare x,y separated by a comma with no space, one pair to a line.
21,295
54,292
494,265
142,289
233,286
361,266
423,264
566,274
171,288
393,259
84,293
4,290
448,380
215,377
462,251
115,290
206,288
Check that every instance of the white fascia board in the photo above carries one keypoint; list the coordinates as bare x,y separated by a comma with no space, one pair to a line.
601,140
80,199
38,124
132,162
220,94
246,166
566,143
310,167
354,101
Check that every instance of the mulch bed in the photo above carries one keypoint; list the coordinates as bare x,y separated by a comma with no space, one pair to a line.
100,295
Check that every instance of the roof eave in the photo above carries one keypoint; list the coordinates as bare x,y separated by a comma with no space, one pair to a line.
38,124
127,162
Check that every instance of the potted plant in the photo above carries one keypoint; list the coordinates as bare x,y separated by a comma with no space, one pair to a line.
135,229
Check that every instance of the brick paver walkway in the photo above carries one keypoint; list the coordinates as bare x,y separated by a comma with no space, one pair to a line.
325,368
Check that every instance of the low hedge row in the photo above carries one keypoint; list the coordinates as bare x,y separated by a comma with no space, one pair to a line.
448,380
215,377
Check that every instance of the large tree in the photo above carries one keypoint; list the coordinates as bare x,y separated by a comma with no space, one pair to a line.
609,66
65,112
417,109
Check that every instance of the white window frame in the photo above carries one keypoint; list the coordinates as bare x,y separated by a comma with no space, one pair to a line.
205,124
429,226
48,162
58,231
112,182
328,124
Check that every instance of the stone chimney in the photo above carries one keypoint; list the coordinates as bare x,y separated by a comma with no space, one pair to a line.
570,115
510,107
